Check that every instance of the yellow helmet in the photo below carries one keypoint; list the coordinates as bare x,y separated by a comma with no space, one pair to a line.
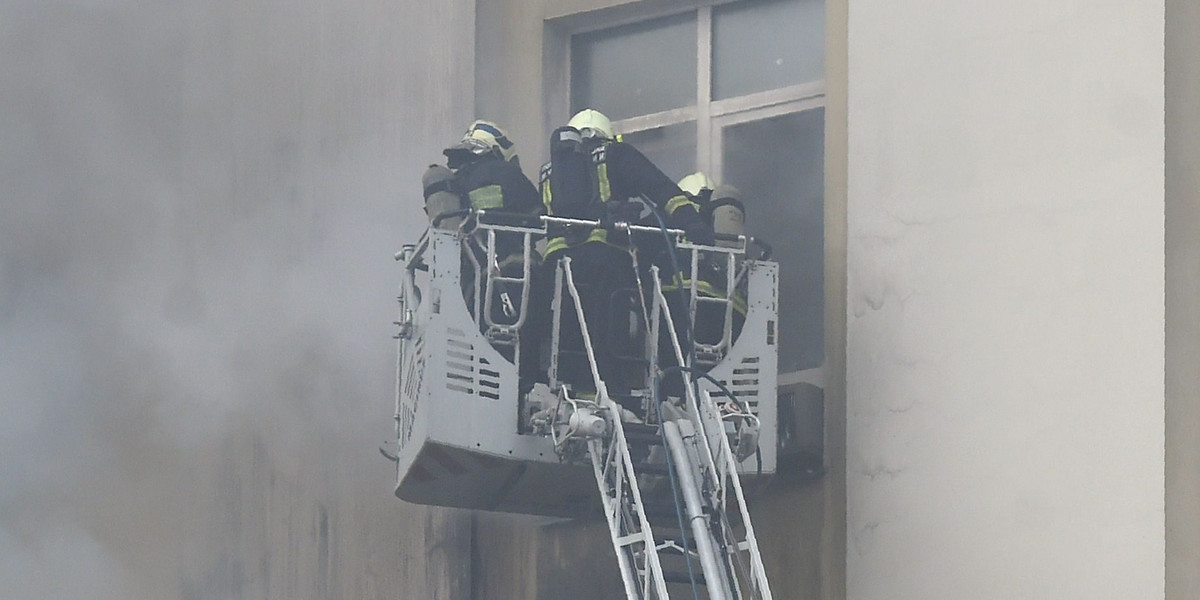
483,137
592,123
692,184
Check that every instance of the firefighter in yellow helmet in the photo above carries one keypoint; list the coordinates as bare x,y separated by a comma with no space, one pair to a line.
594,176
720,206
487,172
483,172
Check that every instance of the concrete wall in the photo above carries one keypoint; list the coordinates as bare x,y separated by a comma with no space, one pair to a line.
1005,335
837,88
1183,298
200,205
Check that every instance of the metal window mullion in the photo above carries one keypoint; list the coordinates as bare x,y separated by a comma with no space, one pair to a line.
674,116
580,22
704,126
791,93
716,156
767,112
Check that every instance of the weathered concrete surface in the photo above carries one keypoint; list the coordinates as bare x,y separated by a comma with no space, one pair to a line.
1183,298
200,202
1005,337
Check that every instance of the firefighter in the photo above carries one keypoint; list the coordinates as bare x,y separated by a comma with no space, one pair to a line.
486,173
592,175
483,172
721,207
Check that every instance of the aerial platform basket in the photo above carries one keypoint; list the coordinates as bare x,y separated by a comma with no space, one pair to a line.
460,440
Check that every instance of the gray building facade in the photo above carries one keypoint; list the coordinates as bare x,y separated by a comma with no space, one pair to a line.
987,216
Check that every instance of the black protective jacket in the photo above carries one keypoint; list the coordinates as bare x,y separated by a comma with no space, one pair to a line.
496,184
588,184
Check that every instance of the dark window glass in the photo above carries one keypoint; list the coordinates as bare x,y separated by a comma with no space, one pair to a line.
635,69
779,164
763,45
671,148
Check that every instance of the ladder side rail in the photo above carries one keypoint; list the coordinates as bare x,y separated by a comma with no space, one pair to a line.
626,472
611,509
654,578
689,391
756,564
714,575
722,450
728,472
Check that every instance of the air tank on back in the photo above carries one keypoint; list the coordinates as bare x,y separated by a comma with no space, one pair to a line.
439,199
728,213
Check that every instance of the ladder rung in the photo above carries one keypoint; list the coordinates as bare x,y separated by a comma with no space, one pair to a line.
631,539
676,545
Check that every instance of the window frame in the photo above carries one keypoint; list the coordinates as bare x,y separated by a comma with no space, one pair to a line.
711,117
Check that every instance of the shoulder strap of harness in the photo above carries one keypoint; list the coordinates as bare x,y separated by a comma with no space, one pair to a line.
600,182
544,183
444,185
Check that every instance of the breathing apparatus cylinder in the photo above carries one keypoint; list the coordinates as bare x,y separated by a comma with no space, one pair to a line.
439,198
728,213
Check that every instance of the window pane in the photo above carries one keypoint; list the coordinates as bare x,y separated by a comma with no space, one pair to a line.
779,164
762,45
635,69
671,148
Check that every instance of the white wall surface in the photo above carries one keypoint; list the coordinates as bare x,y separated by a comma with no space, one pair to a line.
1005,299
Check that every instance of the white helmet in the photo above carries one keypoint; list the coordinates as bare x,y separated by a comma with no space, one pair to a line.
592,123
483,137
694,183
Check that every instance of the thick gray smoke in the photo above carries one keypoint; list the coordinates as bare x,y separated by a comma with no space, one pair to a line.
198,204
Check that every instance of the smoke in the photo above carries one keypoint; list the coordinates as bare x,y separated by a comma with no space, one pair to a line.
198,204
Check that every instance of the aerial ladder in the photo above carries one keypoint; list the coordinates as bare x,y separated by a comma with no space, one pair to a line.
669,469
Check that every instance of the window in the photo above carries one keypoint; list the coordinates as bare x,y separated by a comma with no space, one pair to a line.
735,90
